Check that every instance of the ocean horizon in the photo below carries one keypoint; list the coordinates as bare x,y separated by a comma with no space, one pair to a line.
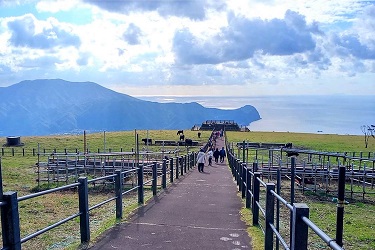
326,114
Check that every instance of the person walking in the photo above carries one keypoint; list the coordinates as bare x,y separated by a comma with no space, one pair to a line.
216,155
210,154
222,154
201,158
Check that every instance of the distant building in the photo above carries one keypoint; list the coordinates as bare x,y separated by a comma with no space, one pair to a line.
227,125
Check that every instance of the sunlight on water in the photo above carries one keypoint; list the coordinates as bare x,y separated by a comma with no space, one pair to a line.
306,114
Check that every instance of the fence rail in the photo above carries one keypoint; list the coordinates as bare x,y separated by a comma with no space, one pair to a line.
10,204
250,184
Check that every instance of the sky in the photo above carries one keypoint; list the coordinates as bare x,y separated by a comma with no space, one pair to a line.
193,47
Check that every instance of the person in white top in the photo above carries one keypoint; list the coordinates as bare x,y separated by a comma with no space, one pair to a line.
201,159
210,154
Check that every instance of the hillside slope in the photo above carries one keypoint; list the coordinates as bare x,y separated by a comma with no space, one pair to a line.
42,107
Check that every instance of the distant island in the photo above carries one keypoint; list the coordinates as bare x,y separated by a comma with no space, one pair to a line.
55,106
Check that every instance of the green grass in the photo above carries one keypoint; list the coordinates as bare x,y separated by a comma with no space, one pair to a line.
19,175
359,219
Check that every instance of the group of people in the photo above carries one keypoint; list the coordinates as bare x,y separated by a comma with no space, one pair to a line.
218,155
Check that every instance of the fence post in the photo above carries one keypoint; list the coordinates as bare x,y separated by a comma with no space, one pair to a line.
299,227
255,167
118,189
340,206
140,184
238,174
248,188
243,179
154,178
10,222
171,170
268,236
256,198
182,165
292,181
188,161
84,209
185,163
164,174
230,160
243,152
177,167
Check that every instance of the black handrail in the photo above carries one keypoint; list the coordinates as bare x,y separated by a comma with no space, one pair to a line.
299,212
9,204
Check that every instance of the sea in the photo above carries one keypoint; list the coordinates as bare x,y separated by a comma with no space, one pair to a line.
326,114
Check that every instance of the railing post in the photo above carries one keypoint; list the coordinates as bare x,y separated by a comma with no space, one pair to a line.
140,184
340,206
231,164
299,227
177,167
171,170
10,222
292,181
119,179
238,174
243,179
188,161
154,178
164,174
248,188
181,159
84,209
185,163
270,200
255,167
256,198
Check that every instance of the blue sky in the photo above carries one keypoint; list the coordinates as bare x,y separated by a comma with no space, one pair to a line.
193,47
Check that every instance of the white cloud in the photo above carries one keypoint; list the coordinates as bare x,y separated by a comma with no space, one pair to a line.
245,47
55,6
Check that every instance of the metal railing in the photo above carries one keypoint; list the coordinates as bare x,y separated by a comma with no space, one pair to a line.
10,218
251,186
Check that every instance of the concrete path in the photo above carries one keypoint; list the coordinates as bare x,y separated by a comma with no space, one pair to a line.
199,211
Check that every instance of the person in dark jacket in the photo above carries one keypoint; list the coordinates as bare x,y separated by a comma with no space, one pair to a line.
222,154
217,155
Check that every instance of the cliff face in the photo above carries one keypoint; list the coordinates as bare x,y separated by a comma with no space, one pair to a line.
42,107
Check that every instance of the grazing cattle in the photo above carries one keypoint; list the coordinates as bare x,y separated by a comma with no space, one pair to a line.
145,140
290,154
288,145
199,134
188,142
180,132
301,180
182,137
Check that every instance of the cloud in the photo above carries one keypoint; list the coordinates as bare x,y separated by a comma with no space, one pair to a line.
192,9
27,32
42,62
351,45
243,37
132,35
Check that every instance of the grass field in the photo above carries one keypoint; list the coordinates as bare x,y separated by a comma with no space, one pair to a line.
19,175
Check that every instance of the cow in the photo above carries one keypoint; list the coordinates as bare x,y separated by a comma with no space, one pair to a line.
199,134
180,132
147,141
188,142
290,154
306,181
182,137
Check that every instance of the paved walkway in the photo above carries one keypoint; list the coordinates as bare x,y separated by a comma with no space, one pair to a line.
199,211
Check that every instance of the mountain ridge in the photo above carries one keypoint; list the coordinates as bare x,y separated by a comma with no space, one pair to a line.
55,106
